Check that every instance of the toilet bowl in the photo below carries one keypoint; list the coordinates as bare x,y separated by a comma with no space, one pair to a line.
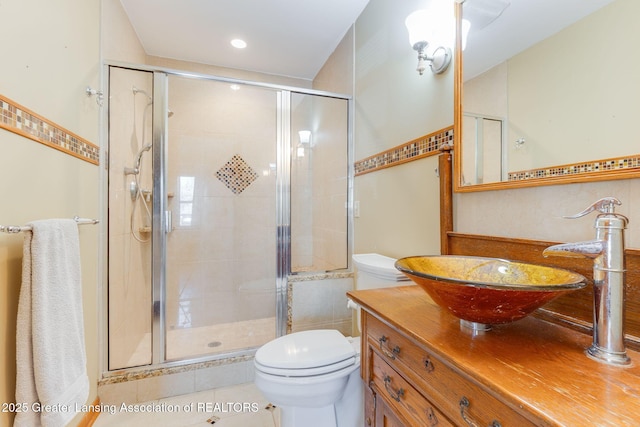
314,377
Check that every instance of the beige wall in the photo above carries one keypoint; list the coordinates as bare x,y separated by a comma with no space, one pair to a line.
569,106
336,75
554,96
536,213
50,54
399,206
119,39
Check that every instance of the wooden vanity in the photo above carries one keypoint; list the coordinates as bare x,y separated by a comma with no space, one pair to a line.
421,368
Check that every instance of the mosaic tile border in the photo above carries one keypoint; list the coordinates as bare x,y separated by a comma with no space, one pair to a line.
592,167
425,146
24,122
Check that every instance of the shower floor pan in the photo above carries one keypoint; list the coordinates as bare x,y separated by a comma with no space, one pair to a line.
187,343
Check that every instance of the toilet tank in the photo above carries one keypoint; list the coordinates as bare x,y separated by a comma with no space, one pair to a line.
377,271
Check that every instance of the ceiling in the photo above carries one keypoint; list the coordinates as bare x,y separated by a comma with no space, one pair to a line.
284,37
295,37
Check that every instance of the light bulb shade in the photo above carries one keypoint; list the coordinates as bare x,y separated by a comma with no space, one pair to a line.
435,25
305,136
466,26
418,27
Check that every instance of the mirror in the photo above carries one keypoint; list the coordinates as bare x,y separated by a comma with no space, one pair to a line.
547,93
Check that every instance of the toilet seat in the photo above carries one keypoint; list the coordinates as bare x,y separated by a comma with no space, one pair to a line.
307,353
306,372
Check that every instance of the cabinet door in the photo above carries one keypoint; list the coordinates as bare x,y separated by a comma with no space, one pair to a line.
385,416
369,407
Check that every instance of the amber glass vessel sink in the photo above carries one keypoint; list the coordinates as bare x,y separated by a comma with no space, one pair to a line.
488,291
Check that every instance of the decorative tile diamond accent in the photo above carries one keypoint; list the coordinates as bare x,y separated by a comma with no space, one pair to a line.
236,174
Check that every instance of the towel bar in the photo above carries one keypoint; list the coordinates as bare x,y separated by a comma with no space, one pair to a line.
20,228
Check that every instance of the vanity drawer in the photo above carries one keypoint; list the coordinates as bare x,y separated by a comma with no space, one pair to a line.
460,399
406,401
399,350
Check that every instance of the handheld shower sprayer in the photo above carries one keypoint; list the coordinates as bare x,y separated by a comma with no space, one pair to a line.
135,170
139,156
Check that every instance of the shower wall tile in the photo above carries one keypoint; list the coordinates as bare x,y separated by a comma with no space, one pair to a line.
129,260
118,393
319,301
224,375
230,243
319,188
166,385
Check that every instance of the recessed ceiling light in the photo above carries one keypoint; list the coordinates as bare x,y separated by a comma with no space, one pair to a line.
238,43
235,87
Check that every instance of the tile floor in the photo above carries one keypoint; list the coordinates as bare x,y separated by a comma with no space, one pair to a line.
237,406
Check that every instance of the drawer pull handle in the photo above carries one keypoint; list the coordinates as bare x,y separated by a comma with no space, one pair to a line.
428,364
431,416
395,395
464,407
390,354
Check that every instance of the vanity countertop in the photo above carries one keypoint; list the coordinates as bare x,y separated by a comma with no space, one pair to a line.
530,364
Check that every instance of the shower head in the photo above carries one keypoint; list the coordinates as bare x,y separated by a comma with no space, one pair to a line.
149,98
137,91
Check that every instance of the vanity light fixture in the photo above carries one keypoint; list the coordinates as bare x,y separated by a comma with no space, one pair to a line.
423,26
305,136
466,26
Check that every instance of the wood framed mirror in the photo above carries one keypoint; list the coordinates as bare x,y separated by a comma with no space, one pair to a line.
546,93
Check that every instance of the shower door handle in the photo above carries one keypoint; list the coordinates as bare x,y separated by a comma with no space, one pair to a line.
168,225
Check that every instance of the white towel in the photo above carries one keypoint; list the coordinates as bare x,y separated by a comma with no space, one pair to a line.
51,356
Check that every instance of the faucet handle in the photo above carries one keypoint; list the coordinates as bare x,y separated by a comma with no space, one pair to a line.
606,205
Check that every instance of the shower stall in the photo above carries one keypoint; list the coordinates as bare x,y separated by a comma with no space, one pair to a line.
218,191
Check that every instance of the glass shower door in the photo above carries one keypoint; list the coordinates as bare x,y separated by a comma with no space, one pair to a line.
218,191
221,246
319,189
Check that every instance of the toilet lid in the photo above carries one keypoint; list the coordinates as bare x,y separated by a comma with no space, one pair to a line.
306,353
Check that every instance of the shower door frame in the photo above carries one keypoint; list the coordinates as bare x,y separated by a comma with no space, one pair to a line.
161,222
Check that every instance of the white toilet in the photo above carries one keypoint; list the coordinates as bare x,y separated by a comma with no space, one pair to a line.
314,376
